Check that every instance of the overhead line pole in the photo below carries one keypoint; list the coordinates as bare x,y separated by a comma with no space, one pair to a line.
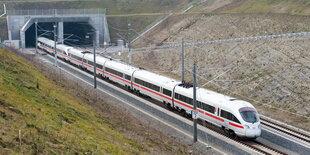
183,60
95,74
55,40
195,112
36,25
129,25
104,12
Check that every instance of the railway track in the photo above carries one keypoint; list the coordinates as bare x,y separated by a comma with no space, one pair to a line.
253,144
301,135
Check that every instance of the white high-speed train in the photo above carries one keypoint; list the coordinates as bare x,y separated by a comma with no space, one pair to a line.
235,116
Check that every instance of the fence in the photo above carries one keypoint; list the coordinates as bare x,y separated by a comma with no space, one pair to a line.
39,12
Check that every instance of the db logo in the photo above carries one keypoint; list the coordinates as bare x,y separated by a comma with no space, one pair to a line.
253,127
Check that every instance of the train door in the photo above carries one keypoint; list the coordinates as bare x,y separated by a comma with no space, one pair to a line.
226,121
84,61
173,95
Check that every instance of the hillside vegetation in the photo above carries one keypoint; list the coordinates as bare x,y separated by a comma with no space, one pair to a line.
272,74
51,120
295,7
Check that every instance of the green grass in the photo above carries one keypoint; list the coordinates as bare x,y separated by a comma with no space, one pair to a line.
50,120
295,7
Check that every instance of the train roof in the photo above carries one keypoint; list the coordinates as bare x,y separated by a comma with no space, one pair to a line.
156,78
76,52
99,59
120,66
63,47
46,41
214,98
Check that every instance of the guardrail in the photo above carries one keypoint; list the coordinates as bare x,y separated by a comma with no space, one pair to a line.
39,12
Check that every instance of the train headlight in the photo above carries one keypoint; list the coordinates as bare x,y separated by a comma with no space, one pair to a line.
247,127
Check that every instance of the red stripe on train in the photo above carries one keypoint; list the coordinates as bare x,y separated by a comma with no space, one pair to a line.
235,125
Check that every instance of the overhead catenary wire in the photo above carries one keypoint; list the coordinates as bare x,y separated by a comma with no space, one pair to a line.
226,41
265,104
4,11
250,99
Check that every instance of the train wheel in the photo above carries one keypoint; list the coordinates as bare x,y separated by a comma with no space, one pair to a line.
232,134
168,105
183,113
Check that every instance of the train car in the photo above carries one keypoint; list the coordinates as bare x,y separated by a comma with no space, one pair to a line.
119,72
46,45
63,51
154,85
235,116
76,57
88,63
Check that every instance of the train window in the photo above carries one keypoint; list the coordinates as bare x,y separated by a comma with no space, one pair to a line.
114,72
99,66
138,81
156,88
208,107
90,63
181,97
235,119
151,86
225,114
167,92
84,60
177,96
229,116
127,77
249,114
76,57
189,100
199,104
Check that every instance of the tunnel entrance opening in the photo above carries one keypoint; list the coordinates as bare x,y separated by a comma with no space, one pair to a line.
75,33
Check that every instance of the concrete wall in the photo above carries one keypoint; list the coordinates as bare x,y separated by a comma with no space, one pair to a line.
18,24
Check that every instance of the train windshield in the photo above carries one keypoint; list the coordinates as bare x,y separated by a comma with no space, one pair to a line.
249,114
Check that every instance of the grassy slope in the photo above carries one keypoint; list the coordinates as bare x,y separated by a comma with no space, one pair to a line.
52,121
295,7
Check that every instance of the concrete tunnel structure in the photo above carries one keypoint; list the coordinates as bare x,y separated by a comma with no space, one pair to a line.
21,21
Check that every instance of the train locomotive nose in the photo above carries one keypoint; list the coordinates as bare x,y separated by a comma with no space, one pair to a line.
253,131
